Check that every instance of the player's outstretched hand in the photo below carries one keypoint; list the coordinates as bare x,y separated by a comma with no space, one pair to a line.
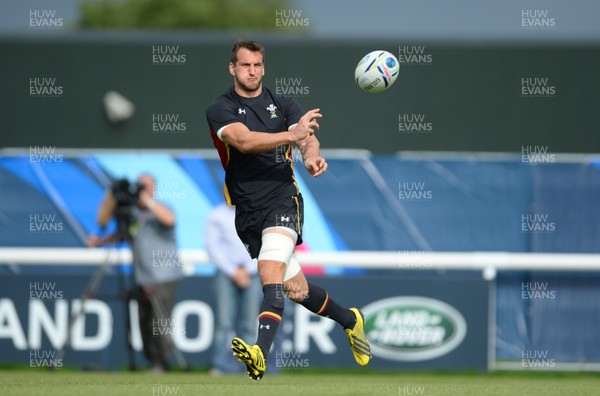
307,125
316,166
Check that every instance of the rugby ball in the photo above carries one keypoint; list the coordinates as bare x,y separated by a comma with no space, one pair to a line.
376,71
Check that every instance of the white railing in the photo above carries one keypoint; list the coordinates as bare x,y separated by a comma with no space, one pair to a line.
496,261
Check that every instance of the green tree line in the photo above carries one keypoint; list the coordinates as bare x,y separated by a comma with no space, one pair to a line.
181,14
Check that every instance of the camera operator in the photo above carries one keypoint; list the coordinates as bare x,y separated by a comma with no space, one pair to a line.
149,227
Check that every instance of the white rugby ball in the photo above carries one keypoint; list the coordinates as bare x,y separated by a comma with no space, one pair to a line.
376,71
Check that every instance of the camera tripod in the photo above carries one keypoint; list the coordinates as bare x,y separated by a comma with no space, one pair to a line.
126,295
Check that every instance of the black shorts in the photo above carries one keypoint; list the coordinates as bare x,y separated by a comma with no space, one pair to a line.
284,212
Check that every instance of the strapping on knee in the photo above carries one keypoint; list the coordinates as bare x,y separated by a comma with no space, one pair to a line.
276,247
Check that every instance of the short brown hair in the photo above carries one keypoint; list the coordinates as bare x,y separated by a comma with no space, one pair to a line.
249,45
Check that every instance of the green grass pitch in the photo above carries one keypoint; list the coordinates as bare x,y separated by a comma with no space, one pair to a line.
66,383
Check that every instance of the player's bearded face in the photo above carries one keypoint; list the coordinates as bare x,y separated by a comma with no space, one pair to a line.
250,82
248,70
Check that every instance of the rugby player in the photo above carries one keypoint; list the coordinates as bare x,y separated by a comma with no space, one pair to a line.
253,130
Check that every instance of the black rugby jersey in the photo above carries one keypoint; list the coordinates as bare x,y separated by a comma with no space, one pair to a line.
254,180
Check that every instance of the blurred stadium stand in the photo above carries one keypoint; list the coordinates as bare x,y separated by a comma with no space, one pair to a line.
474,204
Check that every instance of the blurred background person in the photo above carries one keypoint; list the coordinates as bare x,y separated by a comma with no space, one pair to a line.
237,287
156,265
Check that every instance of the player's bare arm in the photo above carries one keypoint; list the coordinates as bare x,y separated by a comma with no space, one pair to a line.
246,141
313,162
